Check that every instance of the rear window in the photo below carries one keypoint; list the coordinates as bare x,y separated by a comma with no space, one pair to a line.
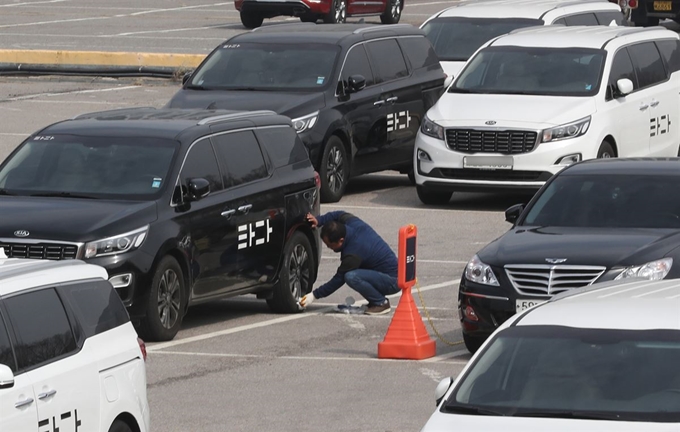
98,306
419,52
283,146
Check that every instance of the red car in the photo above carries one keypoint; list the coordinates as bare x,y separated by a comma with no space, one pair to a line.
253,12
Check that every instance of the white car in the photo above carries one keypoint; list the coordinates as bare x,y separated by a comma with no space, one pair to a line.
602,359
533,101
70,360
457,32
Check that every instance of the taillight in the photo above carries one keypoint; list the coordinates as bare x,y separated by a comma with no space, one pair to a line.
317,180
633,4
142,346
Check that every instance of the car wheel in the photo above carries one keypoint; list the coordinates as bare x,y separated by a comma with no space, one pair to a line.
472,343
412,176
606,151
433,197
295,279
309,18
334,170
338,12
165,308
120,426
251,20
392,12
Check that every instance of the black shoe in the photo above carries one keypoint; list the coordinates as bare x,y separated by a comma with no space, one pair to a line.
379,309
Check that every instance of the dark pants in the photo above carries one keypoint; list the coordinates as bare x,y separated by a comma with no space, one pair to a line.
372,285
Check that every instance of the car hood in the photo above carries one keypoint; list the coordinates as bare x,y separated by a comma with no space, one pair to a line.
534,112
580,246
71,219
285,103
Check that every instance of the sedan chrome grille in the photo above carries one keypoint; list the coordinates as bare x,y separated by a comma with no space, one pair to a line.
548,280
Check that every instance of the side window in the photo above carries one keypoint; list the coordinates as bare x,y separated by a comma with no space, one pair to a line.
283,145
6,355
201,163
606,18
357,64
419,51
240,157
670,51
648,64
387,59
561,21
586,19
41,326
622,68
98,307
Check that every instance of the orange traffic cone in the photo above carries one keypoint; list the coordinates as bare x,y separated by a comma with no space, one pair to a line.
407,337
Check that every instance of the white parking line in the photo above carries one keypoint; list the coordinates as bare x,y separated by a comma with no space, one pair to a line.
432,3
311,358
381,208
447,356
14,134
37,95
33,3
176,342
330,257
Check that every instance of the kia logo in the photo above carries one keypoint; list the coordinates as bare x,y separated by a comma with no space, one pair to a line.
21,233
555,260
490,122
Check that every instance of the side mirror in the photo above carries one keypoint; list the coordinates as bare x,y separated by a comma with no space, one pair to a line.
186,77
624,86
512,213
356,83
6,377
443,386
198,188
448,81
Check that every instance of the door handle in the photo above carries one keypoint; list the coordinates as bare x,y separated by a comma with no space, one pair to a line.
392,99
643,107
23,403
245,208
47,394
654,103
228,213
379,103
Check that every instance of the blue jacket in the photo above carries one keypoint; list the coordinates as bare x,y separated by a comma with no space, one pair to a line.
362,248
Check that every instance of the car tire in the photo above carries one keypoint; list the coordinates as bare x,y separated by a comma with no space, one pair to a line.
334,170
392,12
251,20
606,151
472,343
166,303
120,426
296,276
433,197
338,12
412,177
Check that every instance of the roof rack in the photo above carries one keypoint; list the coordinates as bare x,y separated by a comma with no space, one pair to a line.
380,27
284,24
234,116
94,113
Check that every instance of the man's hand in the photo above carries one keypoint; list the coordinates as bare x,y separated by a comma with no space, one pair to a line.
312,220
307,300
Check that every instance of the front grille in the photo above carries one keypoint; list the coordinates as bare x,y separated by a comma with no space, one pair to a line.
38,250
490,141
547,280
494,175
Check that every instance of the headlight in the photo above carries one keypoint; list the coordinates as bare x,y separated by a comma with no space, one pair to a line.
301,124
566,131
116,244
655,270
432,129
478,272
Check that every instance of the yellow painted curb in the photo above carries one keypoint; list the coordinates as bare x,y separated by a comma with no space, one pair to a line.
100,58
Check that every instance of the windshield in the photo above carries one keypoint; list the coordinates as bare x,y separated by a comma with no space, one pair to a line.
457,38
611,201
267,66
533,71
554,371
89,167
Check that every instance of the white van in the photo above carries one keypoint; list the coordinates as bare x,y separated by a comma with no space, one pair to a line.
70,359
457,32
531,102
601,359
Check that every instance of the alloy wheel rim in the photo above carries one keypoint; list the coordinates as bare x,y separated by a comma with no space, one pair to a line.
168,299
340,11
298,272
396,8
335,170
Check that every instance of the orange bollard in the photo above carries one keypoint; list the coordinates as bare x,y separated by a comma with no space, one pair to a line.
407,337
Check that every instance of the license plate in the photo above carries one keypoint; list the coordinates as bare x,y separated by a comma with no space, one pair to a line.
663,6
523,304
488,162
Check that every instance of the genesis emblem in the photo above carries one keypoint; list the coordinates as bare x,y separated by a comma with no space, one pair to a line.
555,260
21,233
490,122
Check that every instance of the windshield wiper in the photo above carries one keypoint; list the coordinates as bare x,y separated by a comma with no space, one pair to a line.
587,415
460,90
469,409
63,194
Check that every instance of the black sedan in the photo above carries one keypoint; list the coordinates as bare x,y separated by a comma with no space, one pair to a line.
594,221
